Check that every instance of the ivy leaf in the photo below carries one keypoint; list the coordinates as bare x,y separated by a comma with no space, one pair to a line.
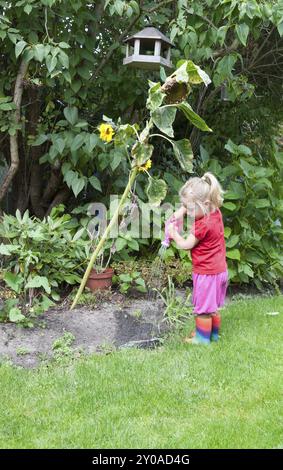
69,177
64,59
95,183
156,191
76,85
59,144
92,142
20,47
39,52
71,114
40,140
77,142
51,63
27,9
184,154
242,31
77,185
195,119
163,118
84,72
64,45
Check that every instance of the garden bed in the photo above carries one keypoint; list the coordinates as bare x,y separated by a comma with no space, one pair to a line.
115,323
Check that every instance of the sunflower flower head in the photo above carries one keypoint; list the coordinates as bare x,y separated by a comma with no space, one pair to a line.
146,166
106,132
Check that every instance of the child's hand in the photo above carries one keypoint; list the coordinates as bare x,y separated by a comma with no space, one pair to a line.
172,230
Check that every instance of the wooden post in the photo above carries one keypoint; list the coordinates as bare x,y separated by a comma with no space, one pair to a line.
157,48
137,47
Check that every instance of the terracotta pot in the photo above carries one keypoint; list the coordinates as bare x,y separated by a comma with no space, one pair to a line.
101,280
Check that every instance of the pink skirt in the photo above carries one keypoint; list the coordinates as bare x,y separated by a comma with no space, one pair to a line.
209,291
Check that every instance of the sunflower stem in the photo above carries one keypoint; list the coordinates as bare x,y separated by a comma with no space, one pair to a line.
132,178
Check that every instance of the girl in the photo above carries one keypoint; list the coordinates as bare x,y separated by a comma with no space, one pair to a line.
201,199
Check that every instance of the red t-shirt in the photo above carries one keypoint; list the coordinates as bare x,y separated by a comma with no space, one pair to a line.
209,255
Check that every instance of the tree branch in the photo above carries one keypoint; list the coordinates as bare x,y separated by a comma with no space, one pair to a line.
124,34
262,46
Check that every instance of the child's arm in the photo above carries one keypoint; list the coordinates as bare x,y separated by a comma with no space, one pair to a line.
179,214
184,244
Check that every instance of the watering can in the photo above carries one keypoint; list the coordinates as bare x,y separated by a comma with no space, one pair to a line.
177,224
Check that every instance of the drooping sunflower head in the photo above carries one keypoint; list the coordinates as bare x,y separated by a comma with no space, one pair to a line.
106,132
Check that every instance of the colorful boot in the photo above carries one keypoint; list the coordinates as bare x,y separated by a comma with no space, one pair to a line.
203,330
216,323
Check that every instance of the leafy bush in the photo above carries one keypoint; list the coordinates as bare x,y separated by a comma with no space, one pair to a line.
176,264
252,211
39,256
128,281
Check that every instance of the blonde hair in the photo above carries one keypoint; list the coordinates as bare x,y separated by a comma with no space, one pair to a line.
206,188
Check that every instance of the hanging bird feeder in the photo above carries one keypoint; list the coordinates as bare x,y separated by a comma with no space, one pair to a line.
149,49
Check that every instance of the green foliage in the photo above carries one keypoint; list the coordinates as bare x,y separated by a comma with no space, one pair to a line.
177,265
62,348
177,309
130,280
184,154
252,212
39,257
156,191
237,43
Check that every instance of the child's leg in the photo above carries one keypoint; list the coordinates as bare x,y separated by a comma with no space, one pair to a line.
216,323
203,330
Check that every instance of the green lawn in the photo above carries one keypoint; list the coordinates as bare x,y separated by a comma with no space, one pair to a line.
226,395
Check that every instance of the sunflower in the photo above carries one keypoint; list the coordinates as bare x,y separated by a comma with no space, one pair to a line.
106,132
146,166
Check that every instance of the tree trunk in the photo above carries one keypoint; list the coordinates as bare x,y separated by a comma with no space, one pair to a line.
53,185
19,196
61,197
14,150
35,184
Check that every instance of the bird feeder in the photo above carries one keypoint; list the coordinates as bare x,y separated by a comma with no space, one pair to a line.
149,49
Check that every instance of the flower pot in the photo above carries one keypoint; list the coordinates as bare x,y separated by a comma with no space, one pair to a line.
101,280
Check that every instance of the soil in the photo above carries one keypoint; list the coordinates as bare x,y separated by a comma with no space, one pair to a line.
113,324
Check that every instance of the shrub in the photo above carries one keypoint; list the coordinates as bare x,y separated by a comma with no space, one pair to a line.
39,256
252,212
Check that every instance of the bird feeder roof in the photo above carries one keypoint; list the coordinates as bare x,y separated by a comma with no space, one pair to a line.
150,33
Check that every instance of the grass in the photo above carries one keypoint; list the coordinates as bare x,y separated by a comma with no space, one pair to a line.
226,395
